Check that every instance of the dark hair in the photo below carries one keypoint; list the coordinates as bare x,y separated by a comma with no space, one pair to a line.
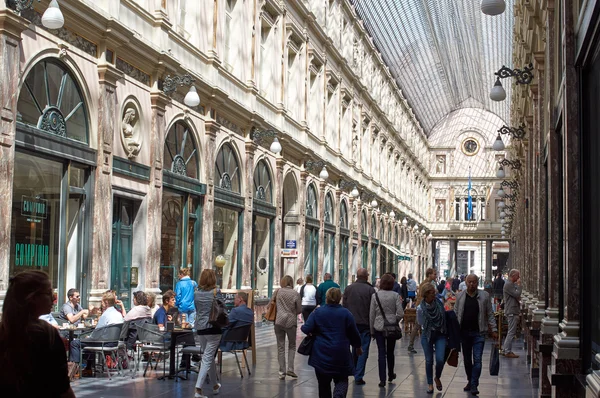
392,274
19,322
72,292
429,272
309,278
386,282
403,280
167,296
243,296
140,298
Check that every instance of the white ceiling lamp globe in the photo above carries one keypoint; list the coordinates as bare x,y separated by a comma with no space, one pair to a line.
374,203
416,227
423,232
502,214
324,174
354,193
501,204
53,18
430,235
501,193
276,147
493,7
392,214
502,229
498,144
192,98
500,173
404,222
498,94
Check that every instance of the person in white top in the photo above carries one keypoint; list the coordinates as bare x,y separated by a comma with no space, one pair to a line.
299,284
50,319
308,294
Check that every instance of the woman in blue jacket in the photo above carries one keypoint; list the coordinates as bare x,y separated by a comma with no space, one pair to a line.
335,331
184,295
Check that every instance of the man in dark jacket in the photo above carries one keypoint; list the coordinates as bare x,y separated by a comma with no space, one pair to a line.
498,287
357,299
327,284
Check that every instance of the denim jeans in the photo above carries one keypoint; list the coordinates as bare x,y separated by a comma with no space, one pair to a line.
436,341
385,353
361,361
340,387
472,348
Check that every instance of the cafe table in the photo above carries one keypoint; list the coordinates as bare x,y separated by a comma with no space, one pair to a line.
177,335
74,330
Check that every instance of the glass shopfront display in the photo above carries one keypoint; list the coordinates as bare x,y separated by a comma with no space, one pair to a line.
226,244
344,245
263,231
311,234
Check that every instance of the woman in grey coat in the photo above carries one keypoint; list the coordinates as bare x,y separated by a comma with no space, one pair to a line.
393,312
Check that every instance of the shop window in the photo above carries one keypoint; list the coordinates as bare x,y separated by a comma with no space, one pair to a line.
263,187
51,100
373,226
227,170
311,202
180,153
329,216
363,222
343,215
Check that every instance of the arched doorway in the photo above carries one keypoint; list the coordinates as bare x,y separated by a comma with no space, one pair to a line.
291,226
263,230
329,237
311,233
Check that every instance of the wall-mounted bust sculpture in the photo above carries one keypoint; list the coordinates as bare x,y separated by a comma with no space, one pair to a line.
130,135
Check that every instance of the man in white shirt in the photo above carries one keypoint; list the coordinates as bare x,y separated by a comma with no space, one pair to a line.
308,294
110,316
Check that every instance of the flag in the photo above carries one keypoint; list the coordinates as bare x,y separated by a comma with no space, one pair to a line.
469,200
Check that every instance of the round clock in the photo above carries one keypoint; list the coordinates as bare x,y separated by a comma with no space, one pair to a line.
470,146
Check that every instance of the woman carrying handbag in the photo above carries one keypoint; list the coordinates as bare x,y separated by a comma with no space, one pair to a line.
379,320
288,306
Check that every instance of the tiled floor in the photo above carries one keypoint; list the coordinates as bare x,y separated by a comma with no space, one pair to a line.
514,380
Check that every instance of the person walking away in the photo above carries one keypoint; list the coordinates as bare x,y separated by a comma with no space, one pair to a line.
411,285
455,283
32,358
474,314
498,287
393,312
308,294
289,306
327,284
512,296
357,300
432,318
430,276
209,336
404,292
184,295
334,332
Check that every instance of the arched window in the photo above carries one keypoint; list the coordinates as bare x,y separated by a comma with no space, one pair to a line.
180,153
373,226
52,101
329,216
381,230
343,214
389,235
311,201
263,187
396,236
227,170
363,222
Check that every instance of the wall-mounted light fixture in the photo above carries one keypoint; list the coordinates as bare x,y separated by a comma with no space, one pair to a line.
170,84
510,184
52,17
259,136
524,76
343,184
517,133
312,164
514,164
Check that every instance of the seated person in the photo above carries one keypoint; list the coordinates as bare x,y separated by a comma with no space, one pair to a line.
140,309
50,319
152,303
111,316
240,315
72,311
161,316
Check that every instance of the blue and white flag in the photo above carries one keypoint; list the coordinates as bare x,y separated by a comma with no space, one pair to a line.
469,200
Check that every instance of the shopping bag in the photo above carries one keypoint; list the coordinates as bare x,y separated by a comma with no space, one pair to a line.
495,360
305,347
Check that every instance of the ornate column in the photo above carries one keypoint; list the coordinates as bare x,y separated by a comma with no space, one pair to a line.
211,128
159,101
102,210
302,232
11,27
337,264
279,163
248,213
488,259
321,255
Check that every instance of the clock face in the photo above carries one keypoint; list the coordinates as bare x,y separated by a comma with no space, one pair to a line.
470,146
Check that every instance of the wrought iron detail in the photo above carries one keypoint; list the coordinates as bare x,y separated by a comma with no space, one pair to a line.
518,133
511,184
178,166
19,5
258,136
343,184
52,121
225,182
367,196
514,164
511,196
170,84
524,76
510,207
311,164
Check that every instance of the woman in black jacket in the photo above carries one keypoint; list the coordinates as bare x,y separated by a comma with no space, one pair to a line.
404,292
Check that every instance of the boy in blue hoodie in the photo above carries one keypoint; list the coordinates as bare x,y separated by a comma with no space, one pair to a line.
184,295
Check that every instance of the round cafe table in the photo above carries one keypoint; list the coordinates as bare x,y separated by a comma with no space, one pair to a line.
177,335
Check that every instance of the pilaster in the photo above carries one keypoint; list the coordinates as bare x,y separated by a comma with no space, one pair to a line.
277,263
321,255
302,233
211,128
247,264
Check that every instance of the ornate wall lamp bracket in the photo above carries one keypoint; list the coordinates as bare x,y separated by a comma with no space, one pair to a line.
517,133
524,76
170,84
511,184
512,196
514,164
19,5
312,164
259,136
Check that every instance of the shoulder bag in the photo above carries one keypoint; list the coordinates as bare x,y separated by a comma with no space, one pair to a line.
218,313
272,310
306,345
390,330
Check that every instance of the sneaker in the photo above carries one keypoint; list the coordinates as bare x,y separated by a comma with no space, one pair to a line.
291,374
511,355
282,377
411,350
360,382
199,395
216,390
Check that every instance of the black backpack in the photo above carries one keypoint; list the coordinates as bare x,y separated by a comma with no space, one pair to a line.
302,291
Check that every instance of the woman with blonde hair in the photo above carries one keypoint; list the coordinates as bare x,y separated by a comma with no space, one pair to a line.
209,335
289,306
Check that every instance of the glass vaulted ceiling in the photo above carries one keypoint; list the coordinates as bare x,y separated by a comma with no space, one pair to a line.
442,53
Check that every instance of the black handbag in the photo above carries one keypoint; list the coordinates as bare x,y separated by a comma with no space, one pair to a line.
306,345
218,313
495,360
390,330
